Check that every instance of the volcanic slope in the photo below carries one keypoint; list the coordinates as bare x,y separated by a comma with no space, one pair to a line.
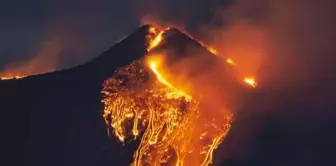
56,118
132,96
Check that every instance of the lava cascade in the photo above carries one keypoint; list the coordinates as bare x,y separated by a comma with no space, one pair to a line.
140,104
171,125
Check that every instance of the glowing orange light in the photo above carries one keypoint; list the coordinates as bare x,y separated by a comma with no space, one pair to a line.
152,30
212,50
153,64
11,77
168,121
154,42
230,61
250,81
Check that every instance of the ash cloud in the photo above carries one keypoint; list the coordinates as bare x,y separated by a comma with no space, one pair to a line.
292,41
289,45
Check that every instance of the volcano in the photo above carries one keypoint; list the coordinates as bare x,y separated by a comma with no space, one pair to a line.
57,118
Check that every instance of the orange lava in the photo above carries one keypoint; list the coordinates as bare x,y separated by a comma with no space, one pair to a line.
11,77
250,81
174,127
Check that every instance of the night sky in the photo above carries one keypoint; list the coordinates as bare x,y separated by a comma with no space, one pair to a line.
64,33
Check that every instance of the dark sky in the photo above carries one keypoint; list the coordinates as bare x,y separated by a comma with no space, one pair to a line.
63,33
87,27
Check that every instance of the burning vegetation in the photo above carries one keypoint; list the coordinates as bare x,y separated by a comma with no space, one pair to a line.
175,126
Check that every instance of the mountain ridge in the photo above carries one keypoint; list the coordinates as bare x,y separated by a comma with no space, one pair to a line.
56,118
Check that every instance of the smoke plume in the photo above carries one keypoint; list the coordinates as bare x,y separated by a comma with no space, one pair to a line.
287,41
289,46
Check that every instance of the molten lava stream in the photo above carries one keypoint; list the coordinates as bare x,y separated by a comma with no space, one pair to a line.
158,38
174,128
250,81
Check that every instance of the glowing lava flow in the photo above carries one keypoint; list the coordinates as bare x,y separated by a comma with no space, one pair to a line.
174,128
157,39
230,61
11,77
250,81
153,64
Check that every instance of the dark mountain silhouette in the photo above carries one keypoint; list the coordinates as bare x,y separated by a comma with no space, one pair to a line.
55,119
